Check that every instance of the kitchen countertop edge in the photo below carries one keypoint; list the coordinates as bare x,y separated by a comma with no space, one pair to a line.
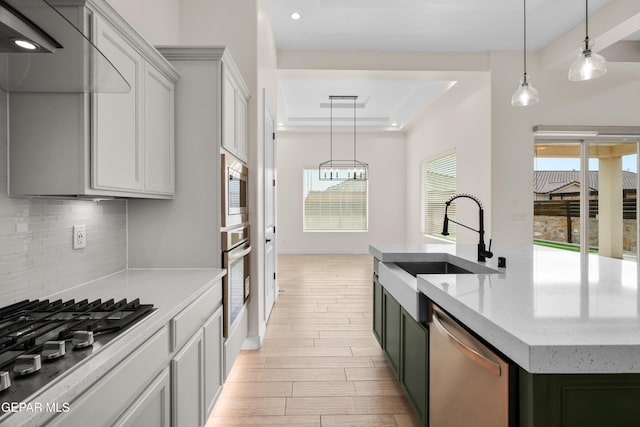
533,356
68,388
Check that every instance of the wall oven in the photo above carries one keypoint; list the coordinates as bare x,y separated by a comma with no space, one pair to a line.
236,249
234,191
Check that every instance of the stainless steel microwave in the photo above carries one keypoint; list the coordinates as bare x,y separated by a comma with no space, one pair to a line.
235,191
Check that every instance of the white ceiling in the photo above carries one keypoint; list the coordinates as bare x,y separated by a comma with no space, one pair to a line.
402,25
422,25
634,36
380,103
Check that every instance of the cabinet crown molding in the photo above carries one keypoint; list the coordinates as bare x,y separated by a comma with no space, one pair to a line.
206,53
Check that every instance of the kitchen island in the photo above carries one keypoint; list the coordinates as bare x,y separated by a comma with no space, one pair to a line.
569,324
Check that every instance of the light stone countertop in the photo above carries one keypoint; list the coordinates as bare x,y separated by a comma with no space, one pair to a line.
550,310
169,290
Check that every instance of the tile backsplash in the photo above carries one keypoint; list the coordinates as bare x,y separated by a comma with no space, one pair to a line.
36,254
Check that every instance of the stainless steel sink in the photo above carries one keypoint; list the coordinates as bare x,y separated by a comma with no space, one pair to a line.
431,267
399,278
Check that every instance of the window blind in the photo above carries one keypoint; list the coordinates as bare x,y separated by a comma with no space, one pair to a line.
334,205
439,185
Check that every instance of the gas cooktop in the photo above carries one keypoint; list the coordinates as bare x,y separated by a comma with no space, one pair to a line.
41,339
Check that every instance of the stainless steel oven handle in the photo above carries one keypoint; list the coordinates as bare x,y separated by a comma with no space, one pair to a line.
473,355
234,256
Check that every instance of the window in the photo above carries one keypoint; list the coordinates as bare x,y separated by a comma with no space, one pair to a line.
439,185
334,205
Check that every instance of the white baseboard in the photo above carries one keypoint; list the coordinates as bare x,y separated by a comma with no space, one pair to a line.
252,343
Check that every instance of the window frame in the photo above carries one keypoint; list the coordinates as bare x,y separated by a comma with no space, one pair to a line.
424,210
314,170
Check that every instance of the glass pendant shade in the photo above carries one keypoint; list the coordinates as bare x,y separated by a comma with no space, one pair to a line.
588,65
525,94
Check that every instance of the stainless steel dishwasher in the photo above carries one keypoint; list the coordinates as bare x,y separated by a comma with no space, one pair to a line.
468,383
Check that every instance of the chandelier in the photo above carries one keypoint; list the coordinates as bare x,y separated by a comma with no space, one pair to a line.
342,170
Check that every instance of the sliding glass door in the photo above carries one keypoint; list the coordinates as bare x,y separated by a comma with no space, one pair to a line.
585,196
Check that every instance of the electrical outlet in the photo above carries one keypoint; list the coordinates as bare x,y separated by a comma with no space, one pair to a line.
79,236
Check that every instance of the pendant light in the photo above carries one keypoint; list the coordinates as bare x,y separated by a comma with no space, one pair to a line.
341,170
526,94
588,65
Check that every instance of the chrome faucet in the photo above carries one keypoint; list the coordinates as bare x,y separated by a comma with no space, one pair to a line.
483,252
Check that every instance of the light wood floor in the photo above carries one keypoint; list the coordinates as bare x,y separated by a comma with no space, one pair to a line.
320,364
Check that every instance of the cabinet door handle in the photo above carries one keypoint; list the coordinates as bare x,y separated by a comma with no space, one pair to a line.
268,240
473,355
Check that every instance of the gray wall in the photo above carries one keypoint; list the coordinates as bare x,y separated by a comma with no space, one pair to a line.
185,232
36,255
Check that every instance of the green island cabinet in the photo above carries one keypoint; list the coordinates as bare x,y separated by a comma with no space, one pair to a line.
577,400
414,365
377,309
391,331
405,344
537,400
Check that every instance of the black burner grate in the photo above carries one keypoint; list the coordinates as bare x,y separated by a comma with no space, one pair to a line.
26,325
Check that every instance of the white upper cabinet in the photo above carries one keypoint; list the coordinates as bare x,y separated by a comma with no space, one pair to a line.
159,133
229,98
242,124
117,139
99,144
235,101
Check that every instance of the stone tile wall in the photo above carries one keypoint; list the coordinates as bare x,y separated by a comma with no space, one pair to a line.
554,229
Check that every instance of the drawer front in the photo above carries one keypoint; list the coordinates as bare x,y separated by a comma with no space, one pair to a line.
189,320
110,396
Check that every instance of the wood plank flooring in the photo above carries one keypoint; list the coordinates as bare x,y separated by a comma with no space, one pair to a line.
320,364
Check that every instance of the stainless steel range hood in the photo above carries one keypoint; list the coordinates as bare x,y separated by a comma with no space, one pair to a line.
55,55
17,34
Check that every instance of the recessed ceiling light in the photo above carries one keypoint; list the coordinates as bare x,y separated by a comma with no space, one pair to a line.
280,124
295,16
25,44
394,124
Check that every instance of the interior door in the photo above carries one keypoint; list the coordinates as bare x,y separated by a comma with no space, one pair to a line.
270,289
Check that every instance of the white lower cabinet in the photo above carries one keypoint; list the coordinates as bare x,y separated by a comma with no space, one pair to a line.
164,382
187,384
197,365
213,360
113,395
153,406
197,374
